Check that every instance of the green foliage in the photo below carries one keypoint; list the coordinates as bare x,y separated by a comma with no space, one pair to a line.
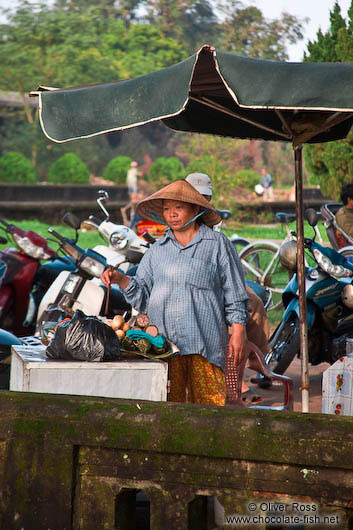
15,168
191,23
54,46
246,31
69,169
165,170
117,169
78,42
247,178
63,46
223,183
330,164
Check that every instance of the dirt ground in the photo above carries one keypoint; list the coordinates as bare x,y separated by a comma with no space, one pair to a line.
275,394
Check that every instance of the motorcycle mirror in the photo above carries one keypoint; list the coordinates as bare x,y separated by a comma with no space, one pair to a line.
103,195
311,216
72,220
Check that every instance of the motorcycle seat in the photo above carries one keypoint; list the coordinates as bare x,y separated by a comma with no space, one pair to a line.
225,214
285,218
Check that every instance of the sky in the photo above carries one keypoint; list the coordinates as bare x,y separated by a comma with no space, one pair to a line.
318,11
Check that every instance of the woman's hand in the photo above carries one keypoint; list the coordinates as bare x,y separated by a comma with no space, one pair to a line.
237,343
112,275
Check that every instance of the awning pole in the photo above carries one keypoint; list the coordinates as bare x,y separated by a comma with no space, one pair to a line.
301,278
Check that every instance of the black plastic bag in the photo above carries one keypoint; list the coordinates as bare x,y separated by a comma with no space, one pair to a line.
84,338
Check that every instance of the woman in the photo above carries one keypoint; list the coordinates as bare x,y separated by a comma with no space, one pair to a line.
191,285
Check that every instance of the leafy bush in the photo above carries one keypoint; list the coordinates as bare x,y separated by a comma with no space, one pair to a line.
247,178
117,169
69,169
207,164
15,168
165,170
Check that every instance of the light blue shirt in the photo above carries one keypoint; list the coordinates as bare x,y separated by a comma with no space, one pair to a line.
192,293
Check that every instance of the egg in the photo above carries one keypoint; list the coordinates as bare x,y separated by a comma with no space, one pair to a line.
117,322
120,334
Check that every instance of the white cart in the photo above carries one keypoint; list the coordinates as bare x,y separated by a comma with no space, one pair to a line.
32,371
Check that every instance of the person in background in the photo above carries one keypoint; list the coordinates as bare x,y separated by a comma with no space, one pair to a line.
131,179
266,183
257,327
132,186
144,189
191,284
344,216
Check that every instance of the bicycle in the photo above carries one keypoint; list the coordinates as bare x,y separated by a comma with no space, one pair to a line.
260,261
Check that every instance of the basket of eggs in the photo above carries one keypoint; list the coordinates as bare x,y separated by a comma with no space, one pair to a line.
140,337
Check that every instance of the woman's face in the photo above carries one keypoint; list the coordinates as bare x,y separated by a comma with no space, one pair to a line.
177,213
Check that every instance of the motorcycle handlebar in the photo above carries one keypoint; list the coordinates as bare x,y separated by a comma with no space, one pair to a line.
95,220
6,224
56,234
149,238
68,246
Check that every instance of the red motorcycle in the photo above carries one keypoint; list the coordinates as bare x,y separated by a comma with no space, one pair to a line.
18,269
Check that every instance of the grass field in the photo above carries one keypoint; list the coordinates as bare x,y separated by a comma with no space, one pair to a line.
86,239
273,231
248,231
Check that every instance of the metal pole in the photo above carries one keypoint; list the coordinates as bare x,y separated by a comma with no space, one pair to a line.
301,278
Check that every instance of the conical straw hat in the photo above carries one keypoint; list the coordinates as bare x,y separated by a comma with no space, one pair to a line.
179,190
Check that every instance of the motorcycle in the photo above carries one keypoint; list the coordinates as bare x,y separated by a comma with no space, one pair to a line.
79,288
125,248
20,276
329,297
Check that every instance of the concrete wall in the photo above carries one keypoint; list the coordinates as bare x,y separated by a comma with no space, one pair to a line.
68,462
49,203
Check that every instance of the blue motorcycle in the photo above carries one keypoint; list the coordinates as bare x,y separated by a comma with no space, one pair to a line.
329,299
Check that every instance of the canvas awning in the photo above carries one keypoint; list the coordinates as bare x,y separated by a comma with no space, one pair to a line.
223,94
212,92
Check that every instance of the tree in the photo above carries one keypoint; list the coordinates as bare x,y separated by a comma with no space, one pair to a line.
56,47
79,42
235,155
192,22
330,164
246,31
227,24
125,10
53,46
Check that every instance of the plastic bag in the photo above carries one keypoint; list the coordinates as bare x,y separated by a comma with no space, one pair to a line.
84,338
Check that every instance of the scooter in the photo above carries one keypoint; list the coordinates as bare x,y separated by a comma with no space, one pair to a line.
80,288
19,276
124,248
329,297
